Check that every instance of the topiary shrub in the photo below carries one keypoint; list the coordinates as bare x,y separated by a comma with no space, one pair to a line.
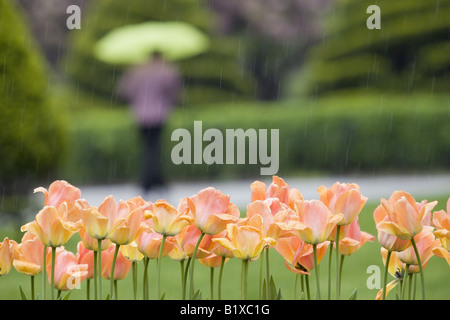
31,131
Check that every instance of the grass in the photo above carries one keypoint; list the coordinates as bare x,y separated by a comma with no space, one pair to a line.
355,273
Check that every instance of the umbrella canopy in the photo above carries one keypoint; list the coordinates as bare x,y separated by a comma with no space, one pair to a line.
133,44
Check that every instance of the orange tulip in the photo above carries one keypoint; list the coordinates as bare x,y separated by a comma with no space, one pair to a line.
315,221
85,256
343,198
275,214
122,266
406,216
92,243
212,261
8,251
185,241
246,241
298,255
277,189
388,241
29,259
149,243
212,210
68,273
167,220
441,221
354,239
51,226
59,191
425,242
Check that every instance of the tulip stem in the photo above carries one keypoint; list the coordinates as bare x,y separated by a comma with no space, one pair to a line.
99,267
111,288
191,283
53,273
409,286
244,276
415,287
329,269
222,263
88,289
44,280
95,274
295,286
413,242
338,230
134,271
302,285
158,272
261,268
308,293
32,287
183,280
211,282
385,273
145,287
405,277
268,291
316,269
185,277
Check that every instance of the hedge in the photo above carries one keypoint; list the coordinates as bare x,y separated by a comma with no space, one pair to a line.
345,134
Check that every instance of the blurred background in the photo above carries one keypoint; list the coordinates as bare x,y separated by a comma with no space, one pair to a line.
347,100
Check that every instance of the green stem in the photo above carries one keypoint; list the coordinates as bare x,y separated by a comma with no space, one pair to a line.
88,289
211,282
341,264
44,280
338,230
116,295
158,272
95,274
185,277
308,293
405,277
410,286
329,268
244,282
316,269
191,280
385,273
32,287
295,286
53,273
145,287
99,267
134,271
268,291
261,268
420,267
183,280
111,287
302,284
222,263
59,294
415,287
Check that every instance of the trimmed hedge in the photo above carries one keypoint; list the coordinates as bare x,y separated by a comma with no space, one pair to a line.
344,134
31,130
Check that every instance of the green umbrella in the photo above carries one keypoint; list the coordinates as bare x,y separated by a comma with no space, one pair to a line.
133,44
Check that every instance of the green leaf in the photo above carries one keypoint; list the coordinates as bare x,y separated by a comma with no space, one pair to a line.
163,296
353,295
22,294
264,290
66,297
272,289
197,295
279,296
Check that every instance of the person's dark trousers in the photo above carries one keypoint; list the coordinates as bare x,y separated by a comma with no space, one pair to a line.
151,163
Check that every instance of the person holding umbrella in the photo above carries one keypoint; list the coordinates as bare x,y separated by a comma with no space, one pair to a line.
152,89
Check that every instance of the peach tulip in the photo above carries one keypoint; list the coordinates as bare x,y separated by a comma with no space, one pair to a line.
122,266
388,241
212,261
185,241
85,256
315,221
92,243
278,189
354,239
275,214
298,255
343,198
131,252
167,220
29,259
426,242
149,243
441,221
211,210
406,216
51,226
396,268
8,251
68,272
59,191
246,241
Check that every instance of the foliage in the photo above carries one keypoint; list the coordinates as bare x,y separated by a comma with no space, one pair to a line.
31,134
408,53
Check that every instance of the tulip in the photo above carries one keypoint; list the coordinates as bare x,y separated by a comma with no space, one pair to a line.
59,191
66,272
29,258
116,266
426,242
393,266
8,251
354,239
131,252
441,221
278,189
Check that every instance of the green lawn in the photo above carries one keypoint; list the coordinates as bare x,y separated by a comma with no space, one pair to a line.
437,273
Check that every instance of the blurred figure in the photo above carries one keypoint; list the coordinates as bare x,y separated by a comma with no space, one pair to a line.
152,89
